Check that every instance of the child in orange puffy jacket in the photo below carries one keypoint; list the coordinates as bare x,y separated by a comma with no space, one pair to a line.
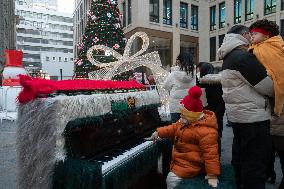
195,137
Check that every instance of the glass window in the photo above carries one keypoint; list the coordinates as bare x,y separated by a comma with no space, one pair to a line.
124,14
249,7
65,59
282,4
81,10
154,11
167,12
189,47
212,18
53,58
59,59
82,27
129,12
212,48
183,15
44,16
237,11
44,41
282,28
47,58
269,7
221,38
32,40
39,15
222,15
194,17
162,46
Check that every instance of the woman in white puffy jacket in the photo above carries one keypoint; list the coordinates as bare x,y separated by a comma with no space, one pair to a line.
181,78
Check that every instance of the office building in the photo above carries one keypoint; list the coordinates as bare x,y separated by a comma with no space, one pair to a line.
42,29
7,28
195,26
58,65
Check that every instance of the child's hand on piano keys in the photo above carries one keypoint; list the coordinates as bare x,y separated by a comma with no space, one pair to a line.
153,137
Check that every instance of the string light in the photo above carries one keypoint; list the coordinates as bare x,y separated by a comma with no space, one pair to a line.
126,62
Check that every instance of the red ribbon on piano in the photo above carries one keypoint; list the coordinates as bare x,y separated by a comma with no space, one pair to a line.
35,87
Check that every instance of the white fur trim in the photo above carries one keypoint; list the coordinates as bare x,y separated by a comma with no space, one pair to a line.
211,79
12,72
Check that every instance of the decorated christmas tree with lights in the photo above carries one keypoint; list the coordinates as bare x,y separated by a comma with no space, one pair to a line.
103,28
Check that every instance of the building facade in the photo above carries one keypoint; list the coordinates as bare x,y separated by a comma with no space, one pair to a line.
195,26
160,19
41,29
172,26
45,4
222,15
7,28
80,20
58,65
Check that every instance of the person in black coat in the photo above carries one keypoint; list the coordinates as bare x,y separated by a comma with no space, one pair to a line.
214,94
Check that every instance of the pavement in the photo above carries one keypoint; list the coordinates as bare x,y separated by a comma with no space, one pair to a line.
4,115
8,164
8,167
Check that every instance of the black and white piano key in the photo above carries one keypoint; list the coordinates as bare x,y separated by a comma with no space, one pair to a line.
108,165
113,153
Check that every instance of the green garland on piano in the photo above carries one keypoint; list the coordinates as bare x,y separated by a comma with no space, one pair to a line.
84,174
74,174
226,180
98,120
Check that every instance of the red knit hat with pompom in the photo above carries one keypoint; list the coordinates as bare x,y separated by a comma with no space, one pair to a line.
192,101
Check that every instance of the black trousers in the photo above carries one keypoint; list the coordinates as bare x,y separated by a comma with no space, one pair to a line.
277,146
270,173
220,130
281,156
270,169
250,153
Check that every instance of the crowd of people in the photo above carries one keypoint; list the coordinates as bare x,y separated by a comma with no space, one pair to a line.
249,88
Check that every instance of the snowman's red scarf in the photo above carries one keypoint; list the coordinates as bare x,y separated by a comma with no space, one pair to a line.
35,87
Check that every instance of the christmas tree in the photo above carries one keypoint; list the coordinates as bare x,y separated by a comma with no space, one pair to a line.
103,28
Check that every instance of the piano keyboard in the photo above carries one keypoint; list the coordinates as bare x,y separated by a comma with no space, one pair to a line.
120,159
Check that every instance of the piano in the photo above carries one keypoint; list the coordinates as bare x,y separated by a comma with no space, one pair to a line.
90,140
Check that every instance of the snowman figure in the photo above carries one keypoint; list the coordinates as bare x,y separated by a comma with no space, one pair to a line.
13,67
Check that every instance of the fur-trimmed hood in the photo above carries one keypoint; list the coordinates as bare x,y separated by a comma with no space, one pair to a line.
230,42
211,79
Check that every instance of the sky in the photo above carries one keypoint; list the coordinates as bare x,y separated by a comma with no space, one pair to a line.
66,6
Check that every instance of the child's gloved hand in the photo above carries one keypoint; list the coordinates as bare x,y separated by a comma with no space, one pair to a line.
153,137
212,181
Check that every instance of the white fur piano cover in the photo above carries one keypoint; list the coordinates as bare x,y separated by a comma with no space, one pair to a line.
41,124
